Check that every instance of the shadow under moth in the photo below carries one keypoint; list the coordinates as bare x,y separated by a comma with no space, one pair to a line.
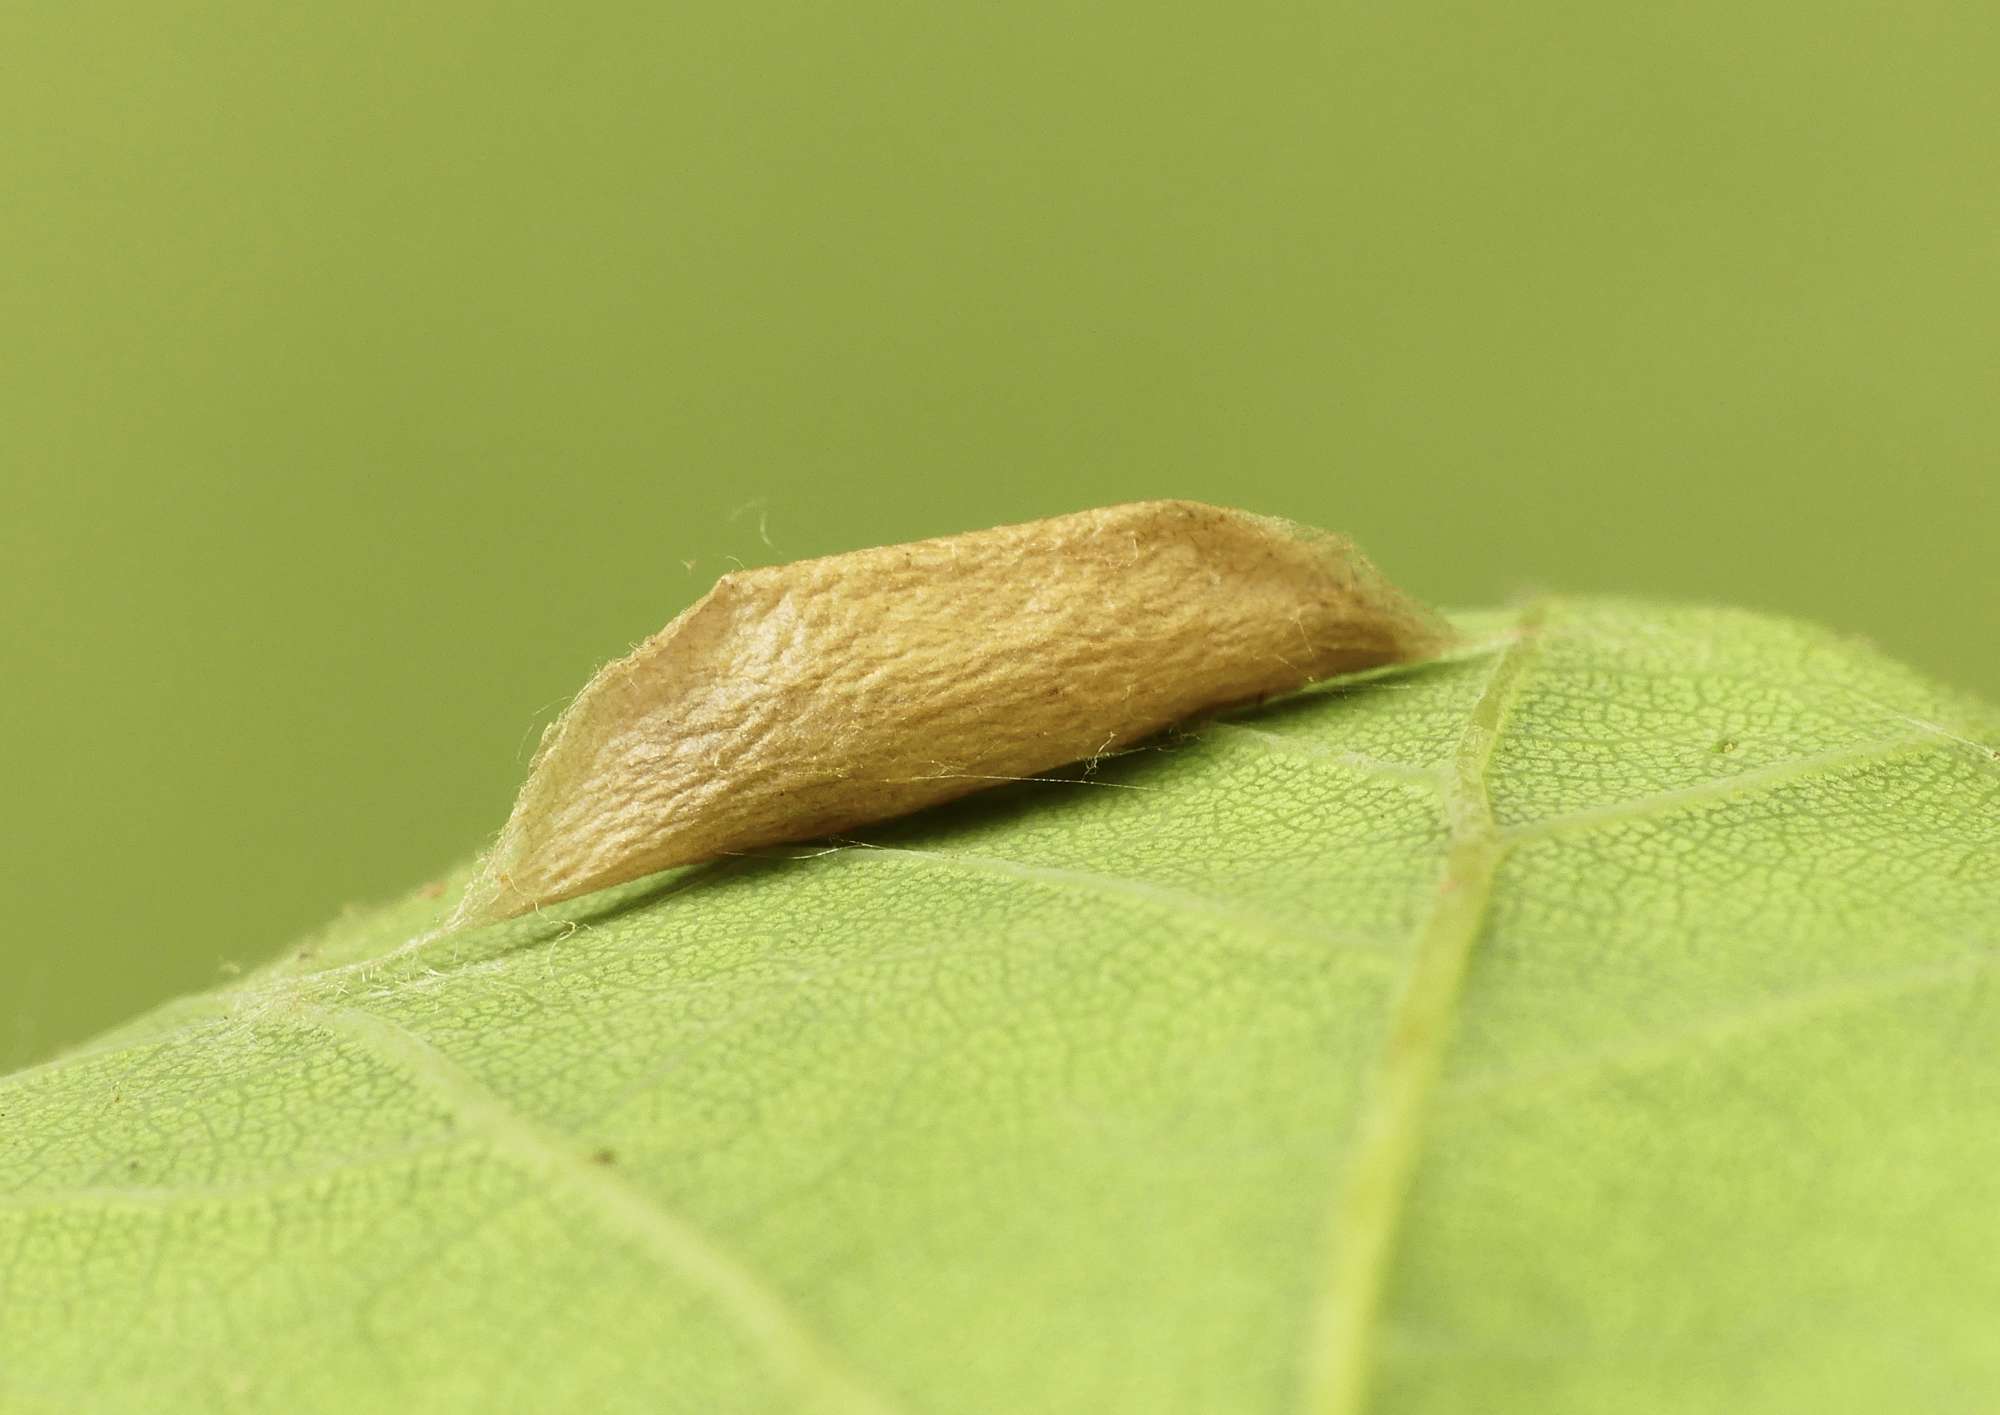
803,700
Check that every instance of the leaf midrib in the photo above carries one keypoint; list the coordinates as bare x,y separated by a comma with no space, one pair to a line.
1372,1188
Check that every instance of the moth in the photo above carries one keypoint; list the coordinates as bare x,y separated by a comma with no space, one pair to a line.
804,700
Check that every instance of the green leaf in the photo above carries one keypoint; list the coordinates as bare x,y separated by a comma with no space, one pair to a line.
1603,1021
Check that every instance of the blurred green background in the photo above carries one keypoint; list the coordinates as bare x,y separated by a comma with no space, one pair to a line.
369,372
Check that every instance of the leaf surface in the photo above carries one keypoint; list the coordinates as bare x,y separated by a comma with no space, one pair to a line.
1603,1020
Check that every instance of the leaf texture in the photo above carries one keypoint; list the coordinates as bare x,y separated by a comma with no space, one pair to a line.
1602,1020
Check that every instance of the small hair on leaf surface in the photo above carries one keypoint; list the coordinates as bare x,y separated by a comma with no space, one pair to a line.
799,701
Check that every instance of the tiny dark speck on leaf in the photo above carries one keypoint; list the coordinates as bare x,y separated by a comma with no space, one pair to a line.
1725,746
604,1156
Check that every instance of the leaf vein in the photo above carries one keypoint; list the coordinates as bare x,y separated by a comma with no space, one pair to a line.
1737,787
1356,763
1370,1195
1766,1015
1140,891
669,1241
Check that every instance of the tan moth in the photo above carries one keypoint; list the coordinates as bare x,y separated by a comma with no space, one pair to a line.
807,699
